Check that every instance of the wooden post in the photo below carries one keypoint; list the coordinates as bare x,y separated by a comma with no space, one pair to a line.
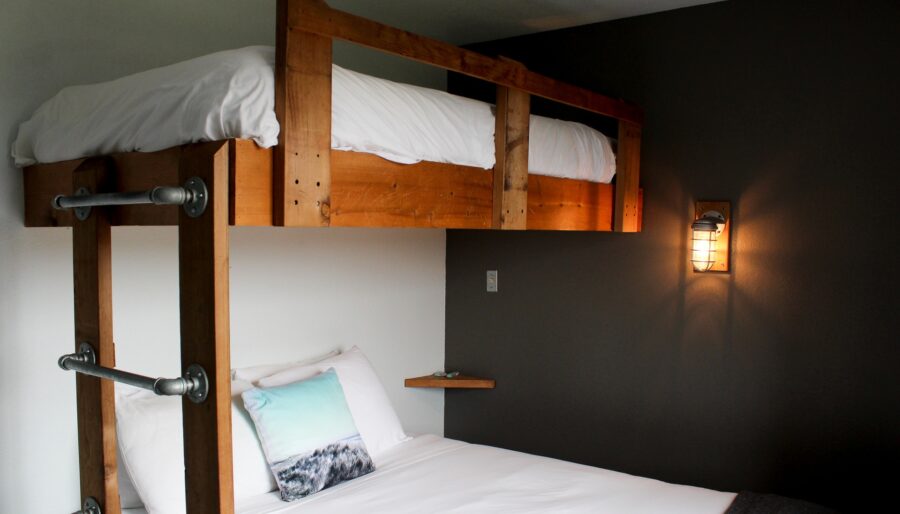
203,271
626,216
92,259
510,206
302,174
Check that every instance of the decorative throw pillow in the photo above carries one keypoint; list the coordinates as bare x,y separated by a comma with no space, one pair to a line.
308,435
372,411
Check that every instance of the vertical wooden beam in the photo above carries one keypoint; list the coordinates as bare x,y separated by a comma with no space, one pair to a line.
302,178
626,217
92,259
510,207
203,270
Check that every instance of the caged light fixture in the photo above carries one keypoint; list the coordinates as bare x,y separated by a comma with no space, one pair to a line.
710,235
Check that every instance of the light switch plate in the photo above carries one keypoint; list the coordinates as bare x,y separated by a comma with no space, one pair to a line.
492,281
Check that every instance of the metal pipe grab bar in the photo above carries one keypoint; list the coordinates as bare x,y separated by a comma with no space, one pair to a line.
194,384
193,196
157,196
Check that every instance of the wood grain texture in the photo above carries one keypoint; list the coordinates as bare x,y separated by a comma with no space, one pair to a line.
316,17
723,241
302,173
92,263
458,382
510,201
369,191
203,271
566,204
42,183
146,171
134,171
250,183
626,217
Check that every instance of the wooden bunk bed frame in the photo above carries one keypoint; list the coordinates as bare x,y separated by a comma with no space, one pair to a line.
303,182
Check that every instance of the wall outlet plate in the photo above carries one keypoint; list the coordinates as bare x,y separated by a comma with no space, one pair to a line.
492,281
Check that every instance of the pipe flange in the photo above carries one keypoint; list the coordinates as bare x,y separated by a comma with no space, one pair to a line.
199,197
84,354
91,506
87,352
196,376
82,213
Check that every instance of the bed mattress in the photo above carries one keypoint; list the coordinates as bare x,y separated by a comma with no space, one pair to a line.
434,474
231,95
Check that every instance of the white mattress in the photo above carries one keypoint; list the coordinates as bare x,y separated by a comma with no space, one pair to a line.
433,474
231,95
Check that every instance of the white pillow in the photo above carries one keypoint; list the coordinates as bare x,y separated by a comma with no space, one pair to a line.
152,450
128,496
254,373
373,414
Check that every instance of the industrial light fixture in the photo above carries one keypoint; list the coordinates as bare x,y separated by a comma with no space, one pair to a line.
710,235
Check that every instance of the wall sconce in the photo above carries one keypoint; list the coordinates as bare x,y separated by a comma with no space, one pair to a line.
710,236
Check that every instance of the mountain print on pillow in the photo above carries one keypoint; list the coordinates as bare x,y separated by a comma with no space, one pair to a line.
320,469
308,434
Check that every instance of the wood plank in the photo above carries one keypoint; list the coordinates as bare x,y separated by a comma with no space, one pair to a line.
510,209
303,107
458,382
42,183
203,272
134,171
566,204
146,170
626,217
251,175
92,259
314,16
369,191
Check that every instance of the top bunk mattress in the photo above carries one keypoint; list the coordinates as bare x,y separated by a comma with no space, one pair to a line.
433,474
231,94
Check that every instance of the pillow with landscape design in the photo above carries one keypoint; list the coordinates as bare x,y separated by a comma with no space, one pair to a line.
308,435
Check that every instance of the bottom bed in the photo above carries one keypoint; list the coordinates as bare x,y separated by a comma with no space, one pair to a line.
434,474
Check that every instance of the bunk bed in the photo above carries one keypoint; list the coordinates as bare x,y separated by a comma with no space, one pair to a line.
304,182
301,182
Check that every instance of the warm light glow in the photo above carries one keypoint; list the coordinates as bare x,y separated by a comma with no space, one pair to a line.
703,250
710,236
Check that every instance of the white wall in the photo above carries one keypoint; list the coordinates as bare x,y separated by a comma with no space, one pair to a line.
295,292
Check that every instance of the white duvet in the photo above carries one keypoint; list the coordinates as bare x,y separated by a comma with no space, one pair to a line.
231,95
436,475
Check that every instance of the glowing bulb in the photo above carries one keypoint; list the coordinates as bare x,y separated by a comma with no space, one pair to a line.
705,232
703,253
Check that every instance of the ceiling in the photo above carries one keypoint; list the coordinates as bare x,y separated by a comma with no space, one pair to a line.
471,21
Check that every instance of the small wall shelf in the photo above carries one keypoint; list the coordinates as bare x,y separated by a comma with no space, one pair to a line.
457,382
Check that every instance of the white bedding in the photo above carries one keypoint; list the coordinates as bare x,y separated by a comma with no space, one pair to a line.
433,474
231,95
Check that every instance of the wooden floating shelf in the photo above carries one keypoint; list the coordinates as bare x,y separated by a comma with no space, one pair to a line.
457,382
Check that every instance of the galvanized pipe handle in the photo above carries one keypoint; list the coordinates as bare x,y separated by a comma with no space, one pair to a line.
194,384
193,196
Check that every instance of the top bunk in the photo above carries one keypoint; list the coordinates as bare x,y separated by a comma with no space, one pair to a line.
307,143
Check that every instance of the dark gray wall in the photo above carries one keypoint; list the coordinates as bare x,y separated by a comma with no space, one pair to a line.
781,376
